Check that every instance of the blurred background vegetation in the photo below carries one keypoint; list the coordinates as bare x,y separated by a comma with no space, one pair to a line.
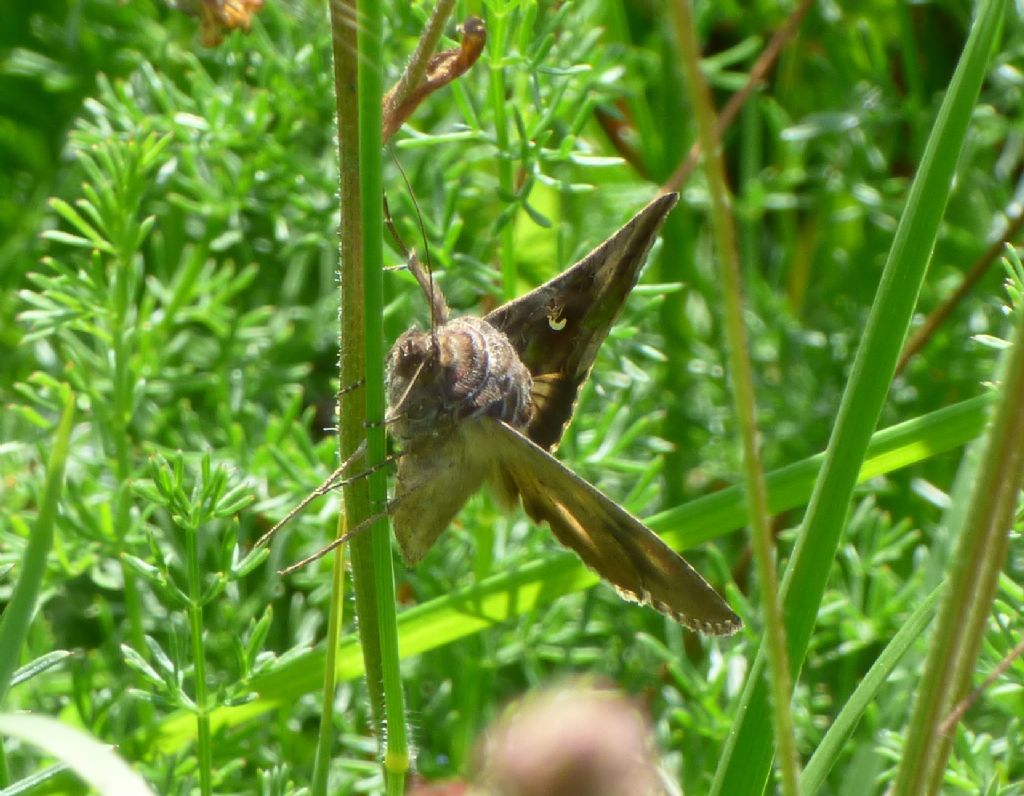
183,283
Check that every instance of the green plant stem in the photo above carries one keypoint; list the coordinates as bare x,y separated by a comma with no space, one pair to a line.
122,402
122,412
497,40
358,89
371,89
743,391
351,412
352,405
967,605
747,760
195,617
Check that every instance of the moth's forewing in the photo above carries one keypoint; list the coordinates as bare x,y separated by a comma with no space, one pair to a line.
435,477
610,540
558,328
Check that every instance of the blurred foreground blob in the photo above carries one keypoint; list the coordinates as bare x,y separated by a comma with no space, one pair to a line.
577,740
217,17
421,788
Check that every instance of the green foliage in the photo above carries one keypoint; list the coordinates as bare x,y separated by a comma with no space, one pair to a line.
186,296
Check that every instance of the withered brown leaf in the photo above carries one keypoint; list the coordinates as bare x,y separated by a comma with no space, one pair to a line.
401,101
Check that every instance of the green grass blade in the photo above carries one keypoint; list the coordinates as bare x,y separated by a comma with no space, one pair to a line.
812,780
358,91
96,763
966,609
747,761
375,549
892,448
351,361
22,605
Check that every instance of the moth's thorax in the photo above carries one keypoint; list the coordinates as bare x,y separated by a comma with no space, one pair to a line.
465,369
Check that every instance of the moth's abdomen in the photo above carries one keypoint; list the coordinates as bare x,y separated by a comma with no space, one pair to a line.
465,369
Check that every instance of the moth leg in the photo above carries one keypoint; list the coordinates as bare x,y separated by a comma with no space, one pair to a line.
365,525
351,387
332,481
388,461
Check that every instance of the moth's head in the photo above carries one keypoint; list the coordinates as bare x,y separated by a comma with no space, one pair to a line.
462,370
415,384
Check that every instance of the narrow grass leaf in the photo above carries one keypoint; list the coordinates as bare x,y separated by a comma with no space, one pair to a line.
971,586
22,605
745,766
96,763
812,779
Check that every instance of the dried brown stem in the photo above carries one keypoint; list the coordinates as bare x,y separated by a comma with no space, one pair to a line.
439,71
618,125
919,339
958,712
736,101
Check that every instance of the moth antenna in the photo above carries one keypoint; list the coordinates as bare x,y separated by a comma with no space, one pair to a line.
435,343
438,306
329,483
425,277
389,224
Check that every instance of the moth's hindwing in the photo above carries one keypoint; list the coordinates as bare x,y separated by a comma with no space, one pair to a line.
435,479
610,540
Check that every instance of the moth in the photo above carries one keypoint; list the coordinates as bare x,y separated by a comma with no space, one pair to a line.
486,400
